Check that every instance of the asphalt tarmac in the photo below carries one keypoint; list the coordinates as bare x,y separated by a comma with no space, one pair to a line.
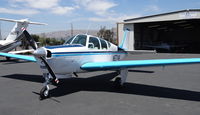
170,90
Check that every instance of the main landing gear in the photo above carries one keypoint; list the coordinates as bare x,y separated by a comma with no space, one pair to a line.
119,81
8,58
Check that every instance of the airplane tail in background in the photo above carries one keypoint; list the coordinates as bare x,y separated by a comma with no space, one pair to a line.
125,40
19,27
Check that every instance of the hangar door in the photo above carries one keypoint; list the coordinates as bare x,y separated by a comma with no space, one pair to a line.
171,36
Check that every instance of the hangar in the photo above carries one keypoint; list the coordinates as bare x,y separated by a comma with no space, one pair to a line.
169,32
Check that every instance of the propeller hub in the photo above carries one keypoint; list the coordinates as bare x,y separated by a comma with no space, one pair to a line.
40,52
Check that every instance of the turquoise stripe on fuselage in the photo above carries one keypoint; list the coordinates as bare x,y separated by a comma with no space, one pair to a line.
60,54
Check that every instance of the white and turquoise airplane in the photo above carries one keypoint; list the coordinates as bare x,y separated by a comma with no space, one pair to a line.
86,53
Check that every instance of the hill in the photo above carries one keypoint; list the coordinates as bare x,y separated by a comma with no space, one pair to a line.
66,34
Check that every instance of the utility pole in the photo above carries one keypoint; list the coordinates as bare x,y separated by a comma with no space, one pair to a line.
0,32
72,31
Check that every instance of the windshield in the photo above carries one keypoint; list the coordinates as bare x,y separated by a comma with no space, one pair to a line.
80,39
69,40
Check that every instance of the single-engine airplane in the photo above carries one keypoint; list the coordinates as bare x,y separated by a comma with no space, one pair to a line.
13,40
86,53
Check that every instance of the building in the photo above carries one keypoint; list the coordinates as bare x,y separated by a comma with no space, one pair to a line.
173,32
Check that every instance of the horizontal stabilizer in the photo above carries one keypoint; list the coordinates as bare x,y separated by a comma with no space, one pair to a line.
22,21
142,52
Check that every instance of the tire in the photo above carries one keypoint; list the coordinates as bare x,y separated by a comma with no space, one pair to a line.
8,58
44,93
117,83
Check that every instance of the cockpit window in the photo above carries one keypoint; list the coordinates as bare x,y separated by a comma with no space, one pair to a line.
80,39
69,40
103,44
94,43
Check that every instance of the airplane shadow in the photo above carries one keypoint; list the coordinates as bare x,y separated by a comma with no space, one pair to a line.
24,77
103,83
13,61
141,71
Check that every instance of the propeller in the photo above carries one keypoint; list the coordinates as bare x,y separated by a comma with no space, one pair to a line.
41,54
31,41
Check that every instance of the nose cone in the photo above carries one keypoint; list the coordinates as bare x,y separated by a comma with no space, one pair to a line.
40,52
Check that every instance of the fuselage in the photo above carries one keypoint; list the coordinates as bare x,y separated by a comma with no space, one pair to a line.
6,46
68,58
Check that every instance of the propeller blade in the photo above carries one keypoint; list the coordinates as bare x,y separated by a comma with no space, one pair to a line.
55,80
30,40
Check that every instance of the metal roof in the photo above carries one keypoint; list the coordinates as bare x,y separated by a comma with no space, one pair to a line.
177,15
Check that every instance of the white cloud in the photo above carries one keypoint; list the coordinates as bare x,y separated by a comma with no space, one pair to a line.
152,8
99,7
49,5
18,11
38,4
114,18
62,10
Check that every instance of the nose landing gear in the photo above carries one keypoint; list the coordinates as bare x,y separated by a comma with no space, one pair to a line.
44,92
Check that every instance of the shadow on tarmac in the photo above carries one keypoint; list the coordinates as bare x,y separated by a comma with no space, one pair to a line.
141,71
13,61
30,78
103,83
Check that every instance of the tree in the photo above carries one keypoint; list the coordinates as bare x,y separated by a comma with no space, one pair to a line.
47,41
106,34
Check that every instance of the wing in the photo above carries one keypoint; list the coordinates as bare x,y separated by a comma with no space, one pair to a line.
22,57
136,63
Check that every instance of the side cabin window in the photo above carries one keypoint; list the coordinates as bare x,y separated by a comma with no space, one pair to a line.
103,44
93,43
80,39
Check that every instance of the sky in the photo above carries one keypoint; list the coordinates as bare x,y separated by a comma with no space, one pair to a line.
84,14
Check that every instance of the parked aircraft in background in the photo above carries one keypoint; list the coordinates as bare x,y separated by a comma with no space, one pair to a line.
86,53
13,40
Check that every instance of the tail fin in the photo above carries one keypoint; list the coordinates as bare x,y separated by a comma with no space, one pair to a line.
16,31
124,43
19,27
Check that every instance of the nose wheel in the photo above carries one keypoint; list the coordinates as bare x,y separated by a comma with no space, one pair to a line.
44,92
